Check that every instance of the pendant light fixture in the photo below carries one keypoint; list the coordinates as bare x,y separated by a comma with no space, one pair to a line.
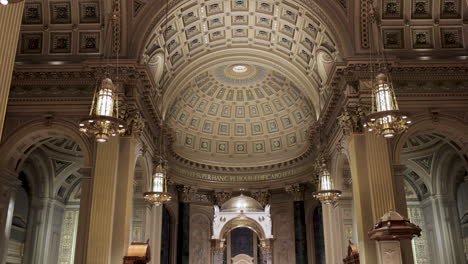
158,187
385,118
326,192
103,121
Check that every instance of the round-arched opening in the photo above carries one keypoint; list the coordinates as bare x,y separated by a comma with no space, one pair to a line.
50,172
435,175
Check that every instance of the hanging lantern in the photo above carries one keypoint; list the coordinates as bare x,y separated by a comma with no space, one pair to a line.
385,118
158,194
103,121
326,192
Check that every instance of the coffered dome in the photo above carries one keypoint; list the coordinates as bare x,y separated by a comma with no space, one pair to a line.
240,115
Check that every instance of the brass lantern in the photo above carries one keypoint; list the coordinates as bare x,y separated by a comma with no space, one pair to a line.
158,194
385,118
103,121
326,191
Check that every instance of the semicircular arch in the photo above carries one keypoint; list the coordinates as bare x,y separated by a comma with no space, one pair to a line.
24,137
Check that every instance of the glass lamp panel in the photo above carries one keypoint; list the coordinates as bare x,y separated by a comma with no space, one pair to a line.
325,181
105,102
384,100
158,182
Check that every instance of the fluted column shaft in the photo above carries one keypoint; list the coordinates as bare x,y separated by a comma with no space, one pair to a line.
10,21
103,203
329,232
123,199
8,186
373,187
156,233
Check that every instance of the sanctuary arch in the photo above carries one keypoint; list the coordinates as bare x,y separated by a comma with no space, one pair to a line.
242,213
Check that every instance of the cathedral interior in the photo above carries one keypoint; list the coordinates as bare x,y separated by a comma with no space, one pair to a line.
234,131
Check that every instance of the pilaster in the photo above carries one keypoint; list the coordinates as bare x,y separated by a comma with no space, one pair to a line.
83,218
10,21
123,198
402,208
103,203
374,191
329,232
9,183
156,233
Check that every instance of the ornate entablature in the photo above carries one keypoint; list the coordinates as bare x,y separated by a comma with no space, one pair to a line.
76,83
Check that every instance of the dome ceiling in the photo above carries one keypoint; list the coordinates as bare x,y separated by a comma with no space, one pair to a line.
240,115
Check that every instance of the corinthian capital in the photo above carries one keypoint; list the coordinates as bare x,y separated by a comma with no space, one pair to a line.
297,191
262,196
186,193
352,120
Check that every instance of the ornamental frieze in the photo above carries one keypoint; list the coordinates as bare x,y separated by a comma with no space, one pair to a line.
226,178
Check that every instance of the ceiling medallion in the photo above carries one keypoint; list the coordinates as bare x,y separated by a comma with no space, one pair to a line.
240,74
239,68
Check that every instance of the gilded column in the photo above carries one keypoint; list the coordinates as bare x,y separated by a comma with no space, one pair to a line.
103,203
10,21
183,227
123,198
83,217
297,192
9,183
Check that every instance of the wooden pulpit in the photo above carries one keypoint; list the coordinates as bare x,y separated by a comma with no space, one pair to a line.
138,253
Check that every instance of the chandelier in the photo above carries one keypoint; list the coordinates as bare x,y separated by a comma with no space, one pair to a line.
385,118
103,121
326,191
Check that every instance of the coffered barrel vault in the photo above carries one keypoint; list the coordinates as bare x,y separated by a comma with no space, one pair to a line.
241,114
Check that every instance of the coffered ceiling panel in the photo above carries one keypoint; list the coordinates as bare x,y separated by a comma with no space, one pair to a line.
61,27
283,28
